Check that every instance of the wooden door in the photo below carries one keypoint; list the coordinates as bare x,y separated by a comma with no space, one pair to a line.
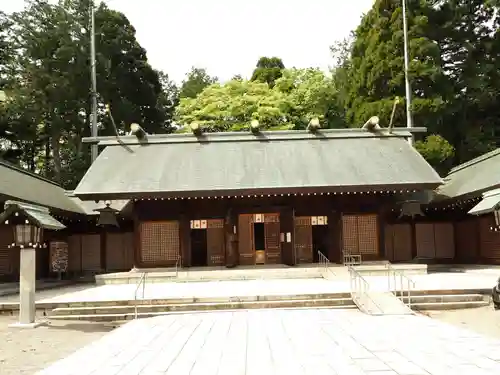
245,240
272,238
215,242
303,239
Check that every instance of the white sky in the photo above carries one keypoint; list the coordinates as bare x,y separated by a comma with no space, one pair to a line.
227,37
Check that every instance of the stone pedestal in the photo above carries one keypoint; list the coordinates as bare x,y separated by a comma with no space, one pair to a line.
27,289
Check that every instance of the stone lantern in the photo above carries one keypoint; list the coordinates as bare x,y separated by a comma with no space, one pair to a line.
28,223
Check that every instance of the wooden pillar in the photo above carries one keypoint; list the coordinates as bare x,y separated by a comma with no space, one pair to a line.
104,249
137,242
414,252
231,238
334,237
287,226
185,240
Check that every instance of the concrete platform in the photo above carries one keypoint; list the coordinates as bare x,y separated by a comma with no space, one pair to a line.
285,342
268,272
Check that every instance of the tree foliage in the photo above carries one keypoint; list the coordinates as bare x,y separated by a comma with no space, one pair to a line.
268,70
47,77
296,97
196,80
454,68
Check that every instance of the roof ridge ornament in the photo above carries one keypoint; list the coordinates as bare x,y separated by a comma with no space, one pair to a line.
372,124
255,126
314,125
196,128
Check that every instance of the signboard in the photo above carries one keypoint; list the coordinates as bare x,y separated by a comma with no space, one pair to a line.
58,256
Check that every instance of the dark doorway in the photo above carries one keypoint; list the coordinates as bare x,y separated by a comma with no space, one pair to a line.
319,241
198,247
259,237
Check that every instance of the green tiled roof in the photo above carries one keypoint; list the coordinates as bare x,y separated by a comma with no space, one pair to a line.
18,184
474,177
232,163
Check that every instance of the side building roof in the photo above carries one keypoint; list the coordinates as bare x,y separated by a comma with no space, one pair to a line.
473,177
19,184
243,163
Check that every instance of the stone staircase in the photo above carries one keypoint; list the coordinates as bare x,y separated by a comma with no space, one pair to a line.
125,309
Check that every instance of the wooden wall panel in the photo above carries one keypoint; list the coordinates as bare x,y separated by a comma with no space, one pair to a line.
424,236
159,243
119,251
91,252
444,237
272,238
398,242
467,240
402,242
215,242
6,239
489,240
245,240
303,239
75,253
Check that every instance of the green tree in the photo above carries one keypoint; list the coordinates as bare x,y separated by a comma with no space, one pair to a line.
311,93
376,71
196,80
268,70
232,106
50,94
437,151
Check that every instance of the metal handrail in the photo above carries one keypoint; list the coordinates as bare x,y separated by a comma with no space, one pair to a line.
359,287
142,281
393,273
350,259
324,264
323,261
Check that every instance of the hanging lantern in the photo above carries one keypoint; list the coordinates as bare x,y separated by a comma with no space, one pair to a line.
107,216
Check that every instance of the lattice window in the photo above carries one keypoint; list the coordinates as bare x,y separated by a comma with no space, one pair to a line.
368,234
160,243
350,234
360,234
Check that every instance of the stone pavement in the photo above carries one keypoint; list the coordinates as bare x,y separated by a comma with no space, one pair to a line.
285,342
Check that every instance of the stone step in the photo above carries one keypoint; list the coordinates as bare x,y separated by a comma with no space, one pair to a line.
458,305
128,312
446,298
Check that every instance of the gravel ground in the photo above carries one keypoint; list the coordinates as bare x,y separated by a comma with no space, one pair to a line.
483,320
26,351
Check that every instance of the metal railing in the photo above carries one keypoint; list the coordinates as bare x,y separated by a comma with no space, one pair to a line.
405,284
360,290
324,264
351,259
142,281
